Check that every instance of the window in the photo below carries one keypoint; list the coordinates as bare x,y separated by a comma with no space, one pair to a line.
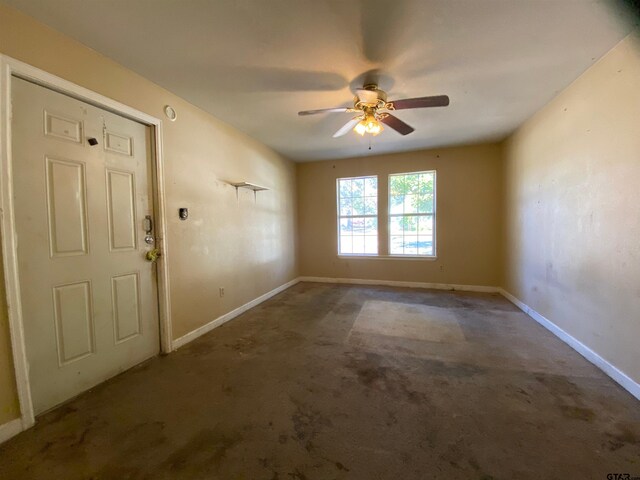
412,214
358,216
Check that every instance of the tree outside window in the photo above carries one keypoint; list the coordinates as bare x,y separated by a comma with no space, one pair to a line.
358,216
412,214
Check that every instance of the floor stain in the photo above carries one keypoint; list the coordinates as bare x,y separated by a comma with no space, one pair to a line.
307,422
243,344
391,381
58,414
623,436
203,453
288,391
297,475
578,413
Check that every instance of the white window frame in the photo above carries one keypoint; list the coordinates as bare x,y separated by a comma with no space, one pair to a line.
376,216
390,216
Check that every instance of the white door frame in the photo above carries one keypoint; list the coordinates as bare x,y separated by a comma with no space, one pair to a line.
9,68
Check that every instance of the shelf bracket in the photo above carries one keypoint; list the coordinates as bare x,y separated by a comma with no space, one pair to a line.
249,186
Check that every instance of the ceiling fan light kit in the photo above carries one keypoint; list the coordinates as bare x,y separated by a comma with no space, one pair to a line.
368,124
373,109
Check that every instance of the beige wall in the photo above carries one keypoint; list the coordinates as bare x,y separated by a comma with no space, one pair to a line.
468,216
573,209
246,246
571,204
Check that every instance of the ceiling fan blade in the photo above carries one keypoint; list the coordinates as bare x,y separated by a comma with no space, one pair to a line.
421,102
347,127
326,110
397,124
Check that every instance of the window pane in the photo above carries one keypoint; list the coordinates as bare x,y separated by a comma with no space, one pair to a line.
422,190
426,183
358,205
410,225
396,245
371,226
425,225
358,244
371,187
345,207
358,225
398,185
345,226
424,203
410,204
370,205
395,226
346,244
411,245
357,187
370,245
413,183
345,188
425,245
396,204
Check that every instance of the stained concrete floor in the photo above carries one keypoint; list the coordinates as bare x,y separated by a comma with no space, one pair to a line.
344,382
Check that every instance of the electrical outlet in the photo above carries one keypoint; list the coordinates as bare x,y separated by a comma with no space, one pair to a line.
221,291
442,268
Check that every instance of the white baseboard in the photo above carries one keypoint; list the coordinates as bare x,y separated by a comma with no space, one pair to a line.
10,429
179,342
616,374
396,283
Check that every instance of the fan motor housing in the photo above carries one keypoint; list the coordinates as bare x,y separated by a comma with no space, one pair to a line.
370,97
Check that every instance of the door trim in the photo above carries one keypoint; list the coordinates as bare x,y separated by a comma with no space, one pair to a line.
9,68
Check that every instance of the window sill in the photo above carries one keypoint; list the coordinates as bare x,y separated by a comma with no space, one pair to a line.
423,258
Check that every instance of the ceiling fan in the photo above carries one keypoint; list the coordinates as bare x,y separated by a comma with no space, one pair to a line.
372,108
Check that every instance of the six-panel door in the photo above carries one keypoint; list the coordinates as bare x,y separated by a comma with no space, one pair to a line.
89,297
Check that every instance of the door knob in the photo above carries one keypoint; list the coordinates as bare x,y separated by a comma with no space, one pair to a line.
153,255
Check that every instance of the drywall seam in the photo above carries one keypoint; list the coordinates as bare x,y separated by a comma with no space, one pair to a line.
611,370
198,332
396,283
10,429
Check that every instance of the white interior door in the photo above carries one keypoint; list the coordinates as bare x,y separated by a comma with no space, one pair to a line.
89,296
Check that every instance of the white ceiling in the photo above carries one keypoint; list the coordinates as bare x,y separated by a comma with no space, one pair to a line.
256,63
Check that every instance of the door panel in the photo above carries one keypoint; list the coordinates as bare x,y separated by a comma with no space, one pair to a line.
67,207
122,210
62,128
89,297
118,143
126,306
74,321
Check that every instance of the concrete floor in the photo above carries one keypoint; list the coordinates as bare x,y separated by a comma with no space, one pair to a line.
346,382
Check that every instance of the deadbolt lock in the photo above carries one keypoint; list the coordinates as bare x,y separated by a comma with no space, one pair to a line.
148,230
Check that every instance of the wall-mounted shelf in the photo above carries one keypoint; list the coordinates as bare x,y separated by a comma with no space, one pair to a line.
249,186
